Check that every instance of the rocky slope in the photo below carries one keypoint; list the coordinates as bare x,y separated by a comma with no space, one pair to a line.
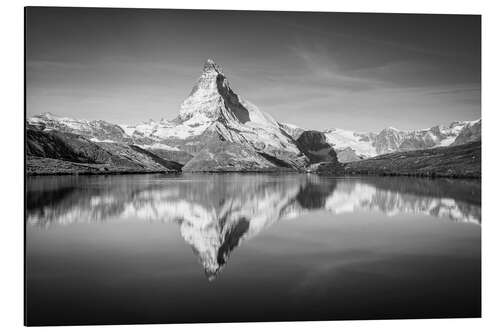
96,130
292,130
454,161
54,152
228,157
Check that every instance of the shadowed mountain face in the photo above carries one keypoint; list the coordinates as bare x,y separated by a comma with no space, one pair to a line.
217,213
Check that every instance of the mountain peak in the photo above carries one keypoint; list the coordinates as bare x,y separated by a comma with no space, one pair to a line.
211,99
211,66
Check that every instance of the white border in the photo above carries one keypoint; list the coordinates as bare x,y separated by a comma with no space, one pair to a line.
11,143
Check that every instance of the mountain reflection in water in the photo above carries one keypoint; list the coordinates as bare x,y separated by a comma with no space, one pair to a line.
216,212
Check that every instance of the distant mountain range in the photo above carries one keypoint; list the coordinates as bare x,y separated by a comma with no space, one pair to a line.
352,146
215,130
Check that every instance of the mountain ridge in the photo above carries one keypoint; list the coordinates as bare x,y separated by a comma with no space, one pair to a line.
357,145
213,114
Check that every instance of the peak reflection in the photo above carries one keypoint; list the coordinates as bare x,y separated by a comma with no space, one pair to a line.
215,213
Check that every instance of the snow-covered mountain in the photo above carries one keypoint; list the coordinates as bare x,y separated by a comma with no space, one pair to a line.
211,114
470,132
391,140
95,130
214,111
361,143
214,115
292,130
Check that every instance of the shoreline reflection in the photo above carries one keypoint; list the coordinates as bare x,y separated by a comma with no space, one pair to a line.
216,212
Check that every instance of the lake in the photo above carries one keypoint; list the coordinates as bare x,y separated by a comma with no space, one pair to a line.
250,247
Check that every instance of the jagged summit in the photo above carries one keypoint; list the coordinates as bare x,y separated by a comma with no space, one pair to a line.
216,108
204,102
213,100
210,66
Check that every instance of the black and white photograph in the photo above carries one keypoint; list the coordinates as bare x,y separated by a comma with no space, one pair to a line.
214,166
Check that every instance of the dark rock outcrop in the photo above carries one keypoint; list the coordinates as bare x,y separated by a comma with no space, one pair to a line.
313,145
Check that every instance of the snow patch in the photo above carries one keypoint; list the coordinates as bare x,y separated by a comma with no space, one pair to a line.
159,146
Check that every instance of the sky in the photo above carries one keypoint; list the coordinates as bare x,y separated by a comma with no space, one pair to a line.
355,71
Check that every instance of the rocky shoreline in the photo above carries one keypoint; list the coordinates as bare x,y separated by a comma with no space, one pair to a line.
463,161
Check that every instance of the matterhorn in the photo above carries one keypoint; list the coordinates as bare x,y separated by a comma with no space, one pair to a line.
223,131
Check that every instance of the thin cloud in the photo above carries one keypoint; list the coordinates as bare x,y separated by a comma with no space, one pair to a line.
370,40
323,68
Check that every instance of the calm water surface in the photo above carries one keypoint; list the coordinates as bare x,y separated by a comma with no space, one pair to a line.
210,248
